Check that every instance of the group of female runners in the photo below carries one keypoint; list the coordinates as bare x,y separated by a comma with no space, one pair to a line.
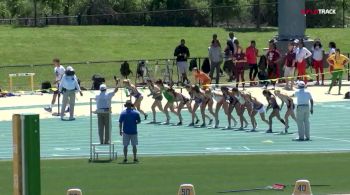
231,100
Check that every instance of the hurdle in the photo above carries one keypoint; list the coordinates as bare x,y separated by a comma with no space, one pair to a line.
26,154
30,75
95,148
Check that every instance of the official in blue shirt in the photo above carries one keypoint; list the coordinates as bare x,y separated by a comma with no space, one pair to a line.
128,121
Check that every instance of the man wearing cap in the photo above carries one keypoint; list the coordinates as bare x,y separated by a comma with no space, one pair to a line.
68,86
128,121
303,110
103,103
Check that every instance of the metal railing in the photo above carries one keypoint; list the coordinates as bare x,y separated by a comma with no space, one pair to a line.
164,68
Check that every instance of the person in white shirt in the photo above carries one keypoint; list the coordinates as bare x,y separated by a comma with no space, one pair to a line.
68,86
305,106
232,38
103,111
317,61
59,71
302,53
215,57
295,45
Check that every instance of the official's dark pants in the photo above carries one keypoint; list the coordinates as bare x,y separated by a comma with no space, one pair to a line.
104,126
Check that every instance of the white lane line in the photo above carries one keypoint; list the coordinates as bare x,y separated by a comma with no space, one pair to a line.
245,147
341,140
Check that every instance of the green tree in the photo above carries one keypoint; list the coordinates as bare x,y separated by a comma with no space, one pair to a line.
15,7
4,12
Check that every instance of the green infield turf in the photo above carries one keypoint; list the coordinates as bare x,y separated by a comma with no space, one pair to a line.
209,174
98,43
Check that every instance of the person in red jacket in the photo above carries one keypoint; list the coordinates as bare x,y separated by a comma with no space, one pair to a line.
252,54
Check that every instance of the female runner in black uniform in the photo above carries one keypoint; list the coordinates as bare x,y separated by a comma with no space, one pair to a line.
271,99
290,108
133,91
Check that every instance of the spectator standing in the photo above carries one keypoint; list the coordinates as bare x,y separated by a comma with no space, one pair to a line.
231,36
228,61
272,57
68,86
231,39
128,121
59,71
215,57
289,67
103,111
182,53
252,53
332,46
337,61
302,53
215,38
304,100
239,60
317,61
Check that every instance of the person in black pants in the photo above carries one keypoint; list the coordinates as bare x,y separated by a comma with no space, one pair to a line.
252,54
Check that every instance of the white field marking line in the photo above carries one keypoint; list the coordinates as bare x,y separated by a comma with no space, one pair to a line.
341,140
177,153
245,147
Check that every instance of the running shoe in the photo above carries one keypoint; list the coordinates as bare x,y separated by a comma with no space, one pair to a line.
48,109
197,121
191,125
165,123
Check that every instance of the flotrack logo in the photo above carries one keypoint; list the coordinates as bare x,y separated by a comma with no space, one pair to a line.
318,11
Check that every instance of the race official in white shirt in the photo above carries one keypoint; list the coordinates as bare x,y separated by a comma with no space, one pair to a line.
305,106
68,86
104,110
